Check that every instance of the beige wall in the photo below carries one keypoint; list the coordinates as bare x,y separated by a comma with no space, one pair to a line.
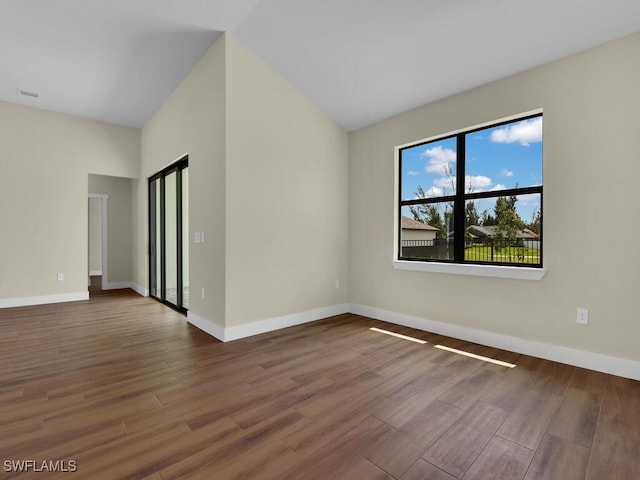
192,121
45,160
95,235
287,196
119,236
268,186
591,102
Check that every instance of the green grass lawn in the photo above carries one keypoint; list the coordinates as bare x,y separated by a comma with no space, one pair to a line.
482,253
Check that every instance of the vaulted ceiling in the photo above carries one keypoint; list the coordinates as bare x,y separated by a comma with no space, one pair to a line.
359,60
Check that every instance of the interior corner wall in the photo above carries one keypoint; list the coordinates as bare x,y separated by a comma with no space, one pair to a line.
139,232
95,236
46,160
192,122
591,102
286,196
119,234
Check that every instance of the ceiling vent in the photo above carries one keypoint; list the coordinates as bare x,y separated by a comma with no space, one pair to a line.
28,94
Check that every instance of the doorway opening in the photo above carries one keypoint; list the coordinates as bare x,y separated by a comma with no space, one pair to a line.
169,235
97,241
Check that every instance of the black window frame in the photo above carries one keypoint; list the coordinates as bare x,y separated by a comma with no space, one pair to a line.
460,197
178,168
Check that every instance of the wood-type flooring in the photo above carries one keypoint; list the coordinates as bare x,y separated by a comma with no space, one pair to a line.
120,386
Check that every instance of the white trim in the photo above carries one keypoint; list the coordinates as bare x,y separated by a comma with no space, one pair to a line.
263,326
117,285
43,300
95,273
496,271
557,353
139,289
276,323
207,326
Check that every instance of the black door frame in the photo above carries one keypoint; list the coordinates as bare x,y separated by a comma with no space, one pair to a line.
177,168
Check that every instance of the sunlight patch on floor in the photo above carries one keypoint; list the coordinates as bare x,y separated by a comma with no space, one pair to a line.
398,335
478,357
442,347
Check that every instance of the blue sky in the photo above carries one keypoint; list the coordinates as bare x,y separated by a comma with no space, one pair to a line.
496,158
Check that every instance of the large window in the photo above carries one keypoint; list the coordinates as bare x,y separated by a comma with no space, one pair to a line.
474,197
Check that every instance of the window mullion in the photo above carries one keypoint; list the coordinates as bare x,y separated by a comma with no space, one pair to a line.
458,207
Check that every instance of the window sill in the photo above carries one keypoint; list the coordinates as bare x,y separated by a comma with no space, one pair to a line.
496,271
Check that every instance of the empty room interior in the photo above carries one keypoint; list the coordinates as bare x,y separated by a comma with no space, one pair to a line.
319,240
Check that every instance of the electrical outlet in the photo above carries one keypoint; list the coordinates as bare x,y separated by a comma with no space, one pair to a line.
337,284
582,316
203,295
61,277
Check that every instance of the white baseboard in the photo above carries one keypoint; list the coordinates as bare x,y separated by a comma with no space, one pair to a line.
206,325
579,358
117,285
263,326
43,299
276,323
140,289
93,273
132,285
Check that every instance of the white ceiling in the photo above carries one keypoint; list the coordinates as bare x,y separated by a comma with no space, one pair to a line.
358,60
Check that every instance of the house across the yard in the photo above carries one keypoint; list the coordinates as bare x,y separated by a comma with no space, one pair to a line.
415,230
483,233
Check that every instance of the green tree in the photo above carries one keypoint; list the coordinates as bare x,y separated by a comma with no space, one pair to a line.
487,219
508,222
471,214
428,213
536,222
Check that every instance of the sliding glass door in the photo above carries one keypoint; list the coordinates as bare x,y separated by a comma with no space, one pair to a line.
169,235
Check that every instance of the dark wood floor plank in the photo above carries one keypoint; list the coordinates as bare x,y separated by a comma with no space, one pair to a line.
577,417
616,446
621,411
362,469
614,456
128,389
589,380
338,457
466,392
500,460
554,378
558,458
456,450
528,421
408,443
422,470
398,411
321,430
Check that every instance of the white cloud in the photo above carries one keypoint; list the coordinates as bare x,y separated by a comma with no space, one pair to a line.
503,173
413,173
477,182
525,132
444,182
438,159
434,192
499,186
529,199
